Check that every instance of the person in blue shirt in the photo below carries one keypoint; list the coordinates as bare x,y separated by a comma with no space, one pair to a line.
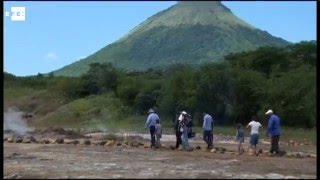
240,138
151,124
274,131
208,130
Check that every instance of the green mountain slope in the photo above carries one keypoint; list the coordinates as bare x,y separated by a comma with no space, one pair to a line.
188,32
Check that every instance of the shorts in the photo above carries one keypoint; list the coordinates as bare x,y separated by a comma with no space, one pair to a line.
240,139
254,139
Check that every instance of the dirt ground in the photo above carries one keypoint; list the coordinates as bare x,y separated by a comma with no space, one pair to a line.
35,160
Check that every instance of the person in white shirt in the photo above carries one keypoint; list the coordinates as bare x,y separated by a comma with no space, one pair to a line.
254,134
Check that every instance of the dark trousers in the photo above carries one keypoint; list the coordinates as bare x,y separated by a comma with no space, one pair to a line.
275,144
208,138
178,137
153,137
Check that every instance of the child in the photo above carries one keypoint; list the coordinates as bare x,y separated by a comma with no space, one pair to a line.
158,133
240,138
254,134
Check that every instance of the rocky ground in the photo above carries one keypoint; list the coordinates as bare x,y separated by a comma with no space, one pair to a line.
55,153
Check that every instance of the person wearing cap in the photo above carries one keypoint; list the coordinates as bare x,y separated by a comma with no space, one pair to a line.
273,130
151,124
208,130
183,121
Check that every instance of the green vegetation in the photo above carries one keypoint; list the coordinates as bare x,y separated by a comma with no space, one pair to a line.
232,91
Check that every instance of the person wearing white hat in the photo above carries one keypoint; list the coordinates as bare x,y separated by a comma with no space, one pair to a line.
183,121
151,124
274,130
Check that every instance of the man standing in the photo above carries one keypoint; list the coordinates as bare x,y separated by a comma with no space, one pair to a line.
254,134
151,123
177,131
208,130
273,130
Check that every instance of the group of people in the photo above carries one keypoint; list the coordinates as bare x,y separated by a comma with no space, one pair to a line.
273,130
183,130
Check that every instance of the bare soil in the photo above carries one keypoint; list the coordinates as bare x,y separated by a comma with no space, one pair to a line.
35,160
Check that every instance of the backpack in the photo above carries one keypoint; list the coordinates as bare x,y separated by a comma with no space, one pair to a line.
189,121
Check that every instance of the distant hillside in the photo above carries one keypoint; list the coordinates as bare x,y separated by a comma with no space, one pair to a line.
188,32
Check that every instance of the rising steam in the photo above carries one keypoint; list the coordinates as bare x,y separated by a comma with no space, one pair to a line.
14,122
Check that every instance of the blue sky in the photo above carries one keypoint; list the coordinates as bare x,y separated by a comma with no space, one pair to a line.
56,34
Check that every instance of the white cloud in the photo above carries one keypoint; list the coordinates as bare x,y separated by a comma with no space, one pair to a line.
51,56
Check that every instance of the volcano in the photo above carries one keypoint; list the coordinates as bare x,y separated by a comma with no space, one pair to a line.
190,32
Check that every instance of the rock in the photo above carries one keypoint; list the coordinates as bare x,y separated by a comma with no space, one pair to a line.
172,147
110,143
198,147
260,151
45,141
85,142
146,146
190,149
102,143
26,140
301,144
313,155
308,155
126,142
71,141
52,141
60,140
119,144
299,155
140,144
18,140
296,144
134,144
213,150
10,139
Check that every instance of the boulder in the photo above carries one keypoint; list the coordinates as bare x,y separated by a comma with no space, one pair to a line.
26,140
71,141
102,143
45,141
299,155
32,139
198,147
18,140
10,139
60,140
85,142
313,155
110,143
134,144
119,144
172,147
213,150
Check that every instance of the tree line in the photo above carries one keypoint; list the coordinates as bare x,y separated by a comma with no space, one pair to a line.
232,90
